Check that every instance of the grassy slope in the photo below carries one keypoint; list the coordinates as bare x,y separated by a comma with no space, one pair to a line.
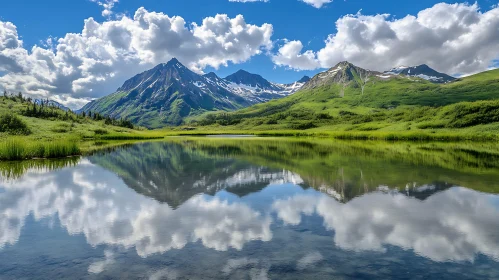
168,111
52,138
49,130
467,106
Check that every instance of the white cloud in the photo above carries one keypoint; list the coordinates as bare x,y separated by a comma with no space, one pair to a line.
108,5
317,3
452,38
93,63
291,55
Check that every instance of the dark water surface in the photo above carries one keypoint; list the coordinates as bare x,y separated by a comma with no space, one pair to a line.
229,208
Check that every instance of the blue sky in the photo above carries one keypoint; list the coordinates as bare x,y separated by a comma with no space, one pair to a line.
37,20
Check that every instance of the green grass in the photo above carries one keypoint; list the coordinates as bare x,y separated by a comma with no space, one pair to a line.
49,129
20,149
347,135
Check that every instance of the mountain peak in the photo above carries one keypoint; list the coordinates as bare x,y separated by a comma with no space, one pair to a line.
241,71
422,71
174,63
250,79
174,60
211,75
344,64
304,79
342,73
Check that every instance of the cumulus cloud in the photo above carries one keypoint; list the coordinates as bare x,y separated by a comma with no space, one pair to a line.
317,3
452,38
107,6
93,63
291,55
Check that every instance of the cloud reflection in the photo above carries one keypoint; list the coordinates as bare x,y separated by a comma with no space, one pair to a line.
95,202
454,225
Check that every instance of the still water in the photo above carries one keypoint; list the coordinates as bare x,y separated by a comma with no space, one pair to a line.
210,208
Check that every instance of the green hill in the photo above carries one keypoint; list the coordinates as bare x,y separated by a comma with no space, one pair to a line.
348,98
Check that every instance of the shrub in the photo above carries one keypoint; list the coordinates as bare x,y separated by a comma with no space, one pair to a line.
303,125
427,125
100,131
12,124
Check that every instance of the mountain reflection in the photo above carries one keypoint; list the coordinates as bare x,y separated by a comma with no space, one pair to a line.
155,197
172,173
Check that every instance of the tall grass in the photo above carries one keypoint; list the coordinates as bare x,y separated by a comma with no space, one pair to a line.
19,149
353,135
131,136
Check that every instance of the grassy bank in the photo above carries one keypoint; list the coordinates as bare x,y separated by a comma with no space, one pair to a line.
348,135
19,149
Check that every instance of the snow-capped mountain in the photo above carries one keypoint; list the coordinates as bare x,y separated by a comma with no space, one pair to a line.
342,73
170,92
256,89
422,71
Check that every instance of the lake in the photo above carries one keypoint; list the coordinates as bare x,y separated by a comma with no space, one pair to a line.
254,208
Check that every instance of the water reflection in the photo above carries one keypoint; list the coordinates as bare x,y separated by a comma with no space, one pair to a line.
260,209
173,173
454,225
89,200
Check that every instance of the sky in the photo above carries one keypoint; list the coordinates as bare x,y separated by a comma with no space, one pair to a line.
75,51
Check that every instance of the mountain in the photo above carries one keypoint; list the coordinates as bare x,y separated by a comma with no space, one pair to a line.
256,89
242,77
350,98
170,92
304,79
342,73
165,95
422,71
